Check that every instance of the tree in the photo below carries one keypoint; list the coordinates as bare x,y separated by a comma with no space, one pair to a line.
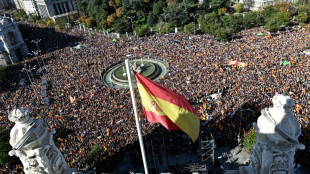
272,25
283,18
4,146
232,22
21,14
82,6
252,19
61,22
72,16
90,22
209,22
302,4
158,8
302,17
222,11
216,4
111,19
142,31
43,22
189,28
223,34
127,9
238,7
101,18
204,7
112,4
119,12
118,3
282,6
268,12
249,139
179,13
93,7
34,18
49,23
120,25
150,19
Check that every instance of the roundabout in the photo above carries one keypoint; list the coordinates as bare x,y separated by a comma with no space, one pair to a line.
116,76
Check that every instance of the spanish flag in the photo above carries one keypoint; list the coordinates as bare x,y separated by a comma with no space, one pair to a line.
161,105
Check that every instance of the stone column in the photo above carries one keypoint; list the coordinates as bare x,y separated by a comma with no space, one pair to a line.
55,9
70,5
74,5
62,7
65,6
58,8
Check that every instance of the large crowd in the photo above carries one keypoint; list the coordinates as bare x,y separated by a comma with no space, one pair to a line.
85,112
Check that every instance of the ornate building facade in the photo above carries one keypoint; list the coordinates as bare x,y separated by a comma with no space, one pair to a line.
47,8
5,4
12,45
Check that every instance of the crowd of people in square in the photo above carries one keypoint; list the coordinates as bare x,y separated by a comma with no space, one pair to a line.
85,112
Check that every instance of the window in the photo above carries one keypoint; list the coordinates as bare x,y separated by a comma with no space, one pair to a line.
12,38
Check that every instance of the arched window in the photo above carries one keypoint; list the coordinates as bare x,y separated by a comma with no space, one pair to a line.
12,38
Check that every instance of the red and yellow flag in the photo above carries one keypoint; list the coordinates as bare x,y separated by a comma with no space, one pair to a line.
161,105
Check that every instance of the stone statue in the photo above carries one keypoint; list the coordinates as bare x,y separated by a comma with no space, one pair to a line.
33,144
136,68
277,131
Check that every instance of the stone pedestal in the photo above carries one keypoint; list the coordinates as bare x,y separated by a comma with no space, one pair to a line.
277,132
34,145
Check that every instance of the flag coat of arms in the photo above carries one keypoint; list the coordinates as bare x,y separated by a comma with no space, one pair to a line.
172,110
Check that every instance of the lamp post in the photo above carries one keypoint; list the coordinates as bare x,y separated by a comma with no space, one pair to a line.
165,16
27,72
39,50
131,17
35,53
37,43
194,15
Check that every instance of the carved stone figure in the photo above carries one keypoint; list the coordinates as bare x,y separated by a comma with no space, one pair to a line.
33,144
277,131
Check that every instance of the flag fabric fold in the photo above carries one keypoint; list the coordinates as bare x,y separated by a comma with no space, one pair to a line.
172,110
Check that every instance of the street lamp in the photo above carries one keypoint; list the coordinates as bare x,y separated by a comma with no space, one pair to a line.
194,15
37,43
35,53
39,51
28,70
131,17
165,16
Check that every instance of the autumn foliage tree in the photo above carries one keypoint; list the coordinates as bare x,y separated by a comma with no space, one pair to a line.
111,19
119,12
89,22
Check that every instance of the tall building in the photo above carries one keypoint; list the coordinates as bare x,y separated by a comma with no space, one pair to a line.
255,4
12,45
47,8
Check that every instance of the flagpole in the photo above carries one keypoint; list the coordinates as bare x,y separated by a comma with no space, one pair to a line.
136,116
